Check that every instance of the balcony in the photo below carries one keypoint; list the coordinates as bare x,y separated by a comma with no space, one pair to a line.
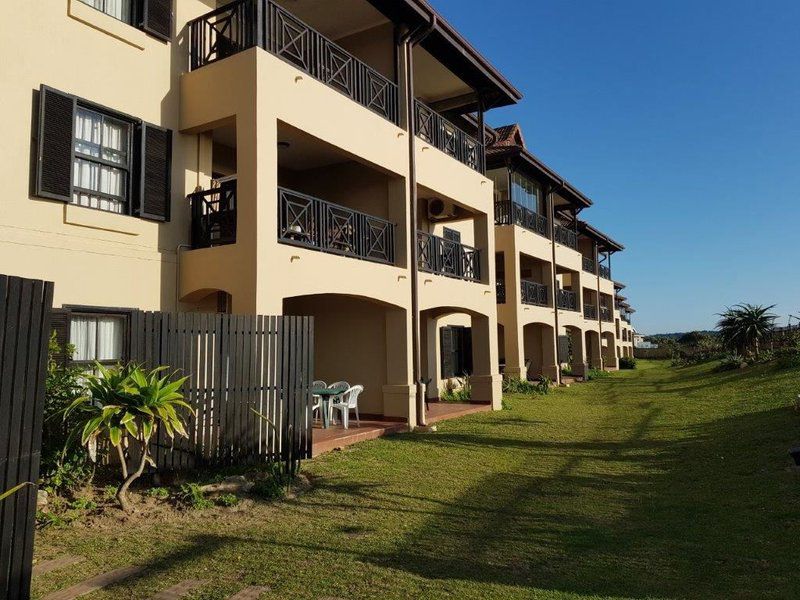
507,212
590,311
319,225
442,134
565,237
589,265
447,257
500,287
214,216
605,272
534,293
606,314
567,300
244,24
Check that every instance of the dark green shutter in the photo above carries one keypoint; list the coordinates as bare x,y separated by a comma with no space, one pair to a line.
563,349
465,350
155,172
446,352
55,144
157,18
60,325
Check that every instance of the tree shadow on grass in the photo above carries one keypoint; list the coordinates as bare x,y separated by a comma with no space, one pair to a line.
707,517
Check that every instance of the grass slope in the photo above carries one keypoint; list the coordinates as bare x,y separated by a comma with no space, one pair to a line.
657,483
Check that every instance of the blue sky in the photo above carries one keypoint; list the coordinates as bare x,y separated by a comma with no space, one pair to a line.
681,120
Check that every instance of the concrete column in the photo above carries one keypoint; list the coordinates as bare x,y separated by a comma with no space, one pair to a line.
429,342
513,335
579,365
593,350
486,381
398,393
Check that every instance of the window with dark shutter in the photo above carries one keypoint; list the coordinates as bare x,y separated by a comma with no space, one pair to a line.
446,352
60,324
155,177
54,164
157,18
452,235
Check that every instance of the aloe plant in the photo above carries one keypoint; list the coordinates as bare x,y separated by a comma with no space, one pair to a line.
128,403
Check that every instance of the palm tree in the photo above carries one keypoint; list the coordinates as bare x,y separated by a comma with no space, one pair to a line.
744,325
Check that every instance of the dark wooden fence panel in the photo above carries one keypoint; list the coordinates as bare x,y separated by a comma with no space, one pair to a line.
235,364
25,307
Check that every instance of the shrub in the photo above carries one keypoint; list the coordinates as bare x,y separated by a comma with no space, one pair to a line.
83,504
627,362
516,385
191,496
732,362
127,402
788,357
229,500
543,387
456,390
272,485
110,492
159,493
598,374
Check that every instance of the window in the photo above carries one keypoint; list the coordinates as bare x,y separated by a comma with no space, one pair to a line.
526,193
97,338
452,235
101,164
456,351
119,9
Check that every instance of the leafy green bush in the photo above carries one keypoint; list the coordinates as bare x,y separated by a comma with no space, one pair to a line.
598,374
229,500
627,362
127,403
191,496
83,504
788,357
110,492
65,462
456,390
543,387
516,385
159,493
732,362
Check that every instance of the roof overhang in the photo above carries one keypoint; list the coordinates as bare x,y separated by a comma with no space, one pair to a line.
604,242
454,51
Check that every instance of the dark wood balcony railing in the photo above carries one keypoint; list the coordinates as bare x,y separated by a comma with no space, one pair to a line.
534,293
565,237
590,311
244,24
313,223
500,286
606,314
567,300
441,133
588,265
446,257
507,212
605,272
214,216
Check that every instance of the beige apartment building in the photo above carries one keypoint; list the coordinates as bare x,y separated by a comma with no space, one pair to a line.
296,157
260,156
558,309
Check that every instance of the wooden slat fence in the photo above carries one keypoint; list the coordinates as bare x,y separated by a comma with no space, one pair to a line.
25,306
235,363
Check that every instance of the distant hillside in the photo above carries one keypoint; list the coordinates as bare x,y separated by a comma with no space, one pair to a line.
678,335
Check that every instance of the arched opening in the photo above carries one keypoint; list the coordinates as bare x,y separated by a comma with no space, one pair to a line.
363,342
208,301
593,350
571,353
540,359
609,343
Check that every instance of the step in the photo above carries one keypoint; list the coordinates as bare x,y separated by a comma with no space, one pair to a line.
95,583
57,563
250,593
180,590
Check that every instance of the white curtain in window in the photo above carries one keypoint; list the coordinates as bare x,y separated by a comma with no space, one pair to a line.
109,338
88,132
83,335
99,178
119,9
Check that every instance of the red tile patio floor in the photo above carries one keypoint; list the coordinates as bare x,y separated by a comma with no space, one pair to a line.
335,436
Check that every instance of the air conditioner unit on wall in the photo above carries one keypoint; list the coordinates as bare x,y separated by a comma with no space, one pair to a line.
439,209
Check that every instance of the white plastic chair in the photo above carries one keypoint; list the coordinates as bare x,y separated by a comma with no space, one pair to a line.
317,405
347,402
339,385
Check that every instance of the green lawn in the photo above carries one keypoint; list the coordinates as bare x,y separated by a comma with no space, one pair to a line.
655,483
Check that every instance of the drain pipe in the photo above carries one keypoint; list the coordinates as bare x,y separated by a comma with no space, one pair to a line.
408,41
550,192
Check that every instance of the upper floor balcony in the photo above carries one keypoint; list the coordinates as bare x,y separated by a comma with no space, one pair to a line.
316,224
604,272
214,216
245,24
567,300
606,314
589,265
590,311
444,135
508,212
448,257
565,237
